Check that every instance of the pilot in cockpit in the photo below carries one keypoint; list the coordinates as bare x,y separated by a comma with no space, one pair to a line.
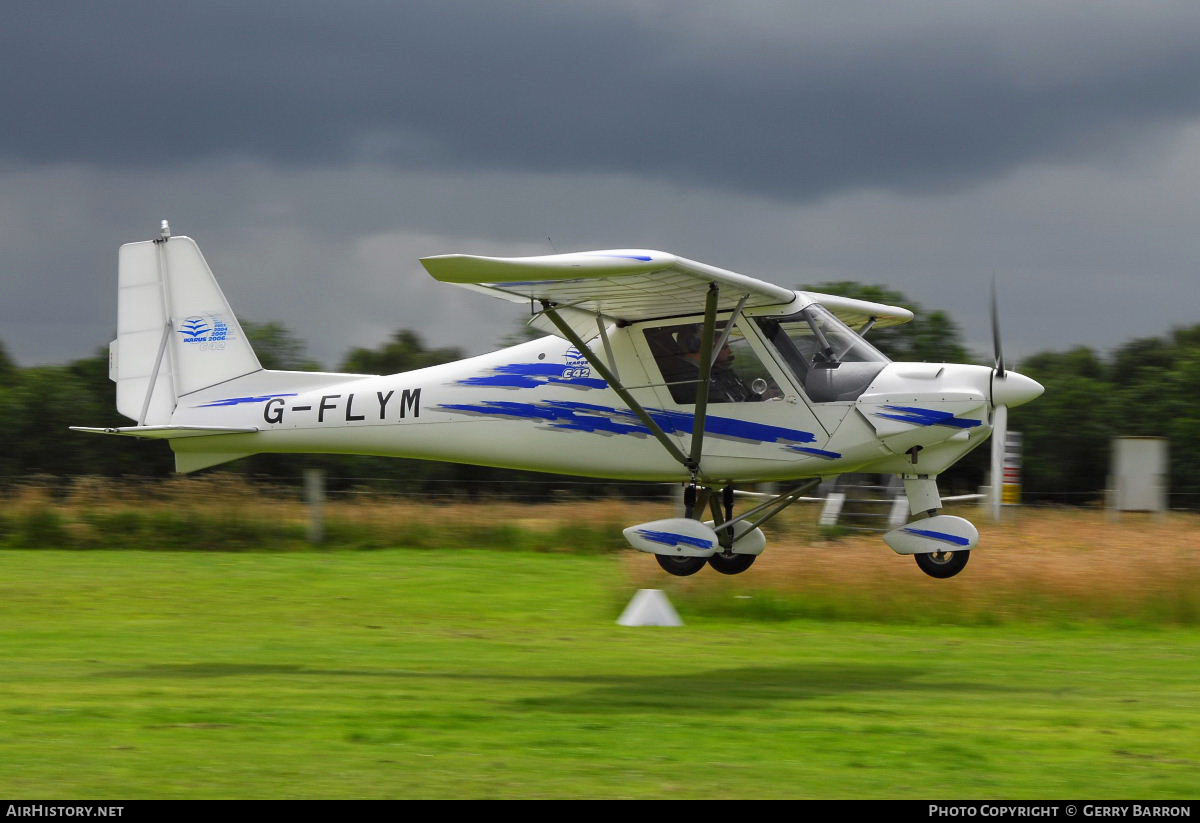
724,387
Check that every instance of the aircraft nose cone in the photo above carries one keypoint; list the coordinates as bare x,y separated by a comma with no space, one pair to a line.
1014,389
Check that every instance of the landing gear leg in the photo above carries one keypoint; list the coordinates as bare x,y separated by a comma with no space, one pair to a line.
725,561
941,544
695,498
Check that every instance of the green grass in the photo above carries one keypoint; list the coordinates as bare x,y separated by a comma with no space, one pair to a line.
419,673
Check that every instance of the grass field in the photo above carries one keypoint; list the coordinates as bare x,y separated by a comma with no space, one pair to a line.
1048,566
468,673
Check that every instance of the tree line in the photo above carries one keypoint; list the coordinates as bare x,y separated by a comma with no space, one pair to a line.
1145,387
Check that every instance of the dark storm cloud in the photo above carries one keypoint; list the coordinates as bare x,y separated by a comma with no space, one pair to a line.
789,100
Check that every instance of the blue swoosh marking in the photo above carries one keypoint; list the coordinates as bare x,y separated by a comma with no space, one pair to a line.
234,401
949,538
672,539
588,417
559,415
817,452
928,417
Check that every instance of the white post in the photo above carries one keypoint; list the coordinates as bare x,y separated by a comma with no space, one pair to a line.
314,496
832,508
1138,477
677,499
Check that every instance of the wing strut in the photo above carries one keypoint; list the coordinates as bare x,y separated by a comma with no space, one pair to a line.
598,364
733,318
612,361
705,364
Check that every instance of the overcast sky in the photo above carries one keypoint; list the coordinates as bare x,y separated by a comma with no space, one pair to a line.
316,150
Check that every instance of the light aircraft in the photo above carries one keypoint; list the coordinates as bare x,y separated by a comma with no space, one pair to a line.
656,368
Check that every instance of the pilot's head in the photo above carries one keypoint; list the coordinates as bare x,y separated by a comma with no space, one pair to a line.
689,344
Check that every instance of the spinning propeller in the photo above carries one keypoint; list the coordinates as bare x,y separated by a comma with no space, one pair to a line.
1008,389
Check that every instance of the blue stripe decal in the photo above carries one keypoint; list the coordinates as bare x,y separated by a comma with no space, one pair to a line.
235,401
532,375
588,417
928,417
644,258
949,538
817,452
558,414
672,539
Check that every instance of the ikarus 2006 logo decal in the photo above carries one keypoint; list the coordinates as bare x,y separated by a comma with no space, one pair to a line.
208,331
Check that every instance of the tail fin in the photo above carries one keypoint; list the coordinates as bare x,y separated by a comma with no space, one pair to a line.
175,331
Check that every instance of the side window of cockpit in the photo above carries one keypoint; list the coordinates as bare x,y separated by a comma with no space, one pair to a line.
738,376
826,357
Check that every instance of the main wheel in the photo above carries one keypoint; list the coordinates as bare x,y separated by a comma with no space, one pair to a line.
943,564
680,566
731,563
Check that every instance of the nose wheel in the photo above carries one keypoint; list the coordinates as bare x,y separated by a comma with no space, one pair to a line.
943,564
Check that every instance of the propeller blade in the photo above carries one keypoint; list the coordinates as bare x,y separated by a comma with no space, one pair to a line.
999,440
996,347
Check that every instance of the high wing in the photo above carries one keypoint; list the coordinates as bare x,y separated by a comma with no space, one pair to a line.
621,284
854,312
630,285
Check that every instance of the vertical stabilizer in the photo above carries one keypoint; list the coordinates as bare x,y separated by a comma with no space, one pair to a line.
175,331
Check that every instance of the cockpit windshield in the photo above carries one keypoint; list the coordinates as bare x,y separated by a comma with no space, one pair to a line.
830,360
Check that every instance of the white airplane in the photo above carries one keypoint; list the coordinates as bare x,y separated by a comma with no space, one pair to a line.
656,368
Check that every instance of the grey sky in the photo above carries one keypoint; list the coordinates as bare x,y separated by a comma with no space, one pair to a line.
315,150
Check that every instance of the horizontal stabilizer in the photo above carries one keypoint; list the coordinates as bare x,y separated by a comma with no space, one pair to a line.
189,459
194,461
167,432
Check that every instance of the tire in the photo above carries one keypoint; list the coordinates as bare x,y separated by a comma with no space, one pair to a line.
731,563
943,564
680,566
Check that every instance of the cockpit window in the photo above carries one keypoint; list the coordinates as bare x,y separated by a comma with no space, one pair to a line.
830,360
738,376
